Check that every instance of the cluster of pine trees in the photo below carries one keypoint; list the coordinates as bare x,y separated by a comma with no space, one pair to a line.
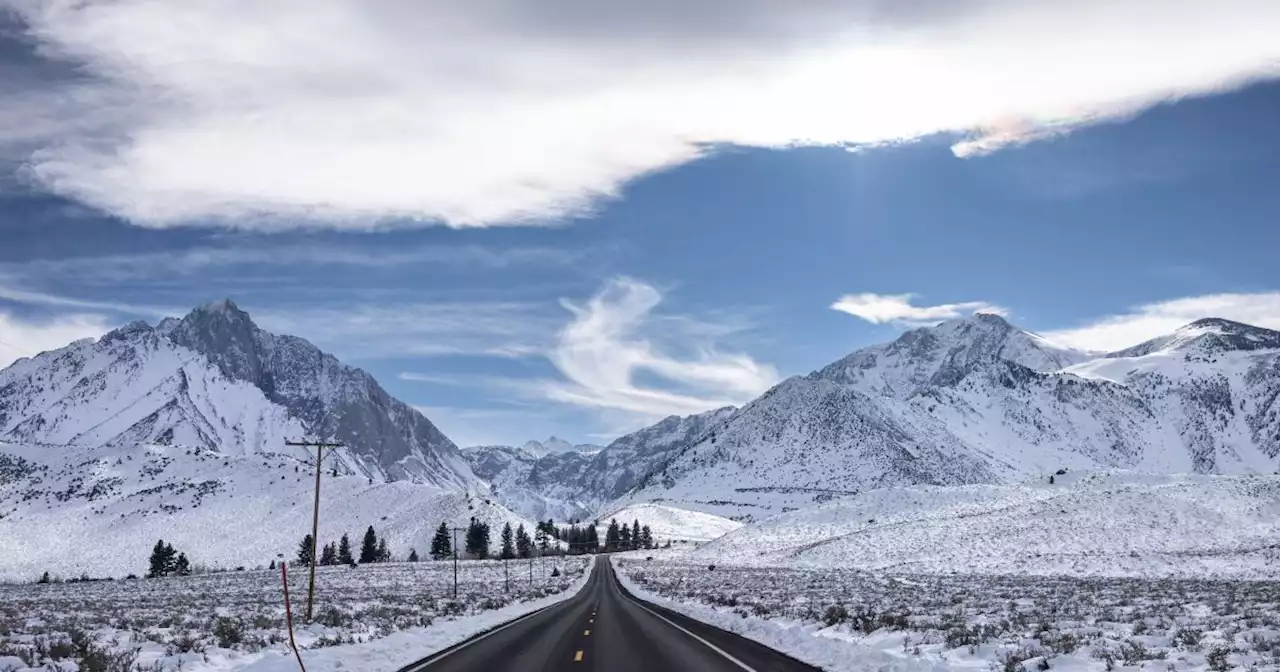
372,549
167,562
628,537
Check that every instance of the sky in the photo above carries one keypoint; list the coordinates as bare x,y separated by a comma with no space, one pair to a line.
575,223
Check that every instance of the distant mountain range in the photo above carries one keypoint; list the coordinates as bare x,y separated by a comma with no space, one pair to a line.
977,400
186,421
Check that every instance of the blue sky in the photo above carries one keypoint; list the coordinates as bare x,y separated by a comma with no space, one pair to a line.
598,271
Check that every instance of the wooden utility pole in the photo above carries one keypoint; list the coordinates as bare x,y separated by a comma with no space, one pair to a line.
456,530
315,514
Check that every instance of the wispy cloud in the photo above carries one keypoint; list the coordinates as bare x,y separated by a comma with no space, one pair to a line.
364,114
1147,321
24,337
898,309
37,298
609,343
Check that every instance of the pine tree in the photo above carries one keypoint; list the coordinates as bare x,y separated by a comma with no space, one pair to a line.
524,545
413,555
646,537
612,536
540,537
182,566
273,565
157,563
624,538
478,539
344,551
369,547
304,551
329,556
593,539
170,559
383,554
441,544
508,543
485,539
635,534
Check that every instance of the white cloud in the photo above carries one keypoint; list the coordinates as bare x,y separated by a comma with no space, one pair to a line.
897,309
1148,321
604,348
348,112
22,337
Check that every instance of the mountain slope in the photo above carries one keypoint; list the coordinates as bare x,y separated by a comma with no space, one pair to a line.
215,380
1085,523
977,400
99,510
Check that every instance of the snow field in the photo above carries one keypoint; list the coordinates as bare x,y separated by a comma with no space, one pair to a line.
232,620
850,621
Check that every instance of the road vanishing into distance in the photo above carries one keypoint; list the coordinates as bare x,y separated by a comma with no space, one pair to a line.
605,629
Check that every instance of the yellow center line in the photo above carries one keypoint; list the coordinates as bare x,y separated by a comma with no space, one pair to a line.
577,657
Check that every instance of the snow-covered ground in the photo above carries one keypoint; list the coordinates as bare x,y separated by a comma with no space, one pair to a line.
852,621
1083,524
99,511
375,617
669,523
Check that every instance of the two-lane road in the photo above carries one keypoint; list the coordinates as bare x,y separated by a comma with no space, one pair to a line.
605,629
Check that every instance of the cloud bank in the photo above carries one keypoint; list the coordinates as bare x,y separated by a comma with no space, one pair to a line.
898,309
359,113
22,337
1116,332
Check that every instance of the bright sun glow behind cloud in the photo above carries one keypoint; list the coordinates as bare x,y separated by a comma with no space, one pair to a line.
347,113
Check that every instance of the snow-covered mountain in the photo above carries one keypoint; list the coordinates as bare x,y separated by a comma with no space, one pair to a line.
214,380
1083,523
554,445
574,484
99,509
976,400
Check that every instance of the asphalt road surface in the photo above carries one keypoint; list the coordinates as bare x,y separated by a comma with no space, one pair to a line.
605,629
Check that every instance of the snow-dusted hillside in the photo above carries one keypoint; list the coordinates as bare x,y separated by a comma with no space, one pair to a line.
573,482
1087,523
977,400
668,523
215,380
99,510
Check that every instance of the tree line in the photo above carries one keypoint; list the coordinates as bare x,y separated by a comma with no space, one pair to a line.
372,549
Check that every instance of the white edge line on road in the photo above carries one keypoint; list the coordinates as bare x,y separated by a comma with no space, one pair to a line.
418,667
709,645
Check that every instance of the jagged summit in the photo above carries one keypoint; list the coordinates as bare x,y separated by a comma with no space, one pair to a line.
945,353
213,379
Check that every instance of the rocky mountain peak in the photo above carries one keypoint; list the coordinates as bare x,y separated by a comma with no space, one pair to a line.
1208,335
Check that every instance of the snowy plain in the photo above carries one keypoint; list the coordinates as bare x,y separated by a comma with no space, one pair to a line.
374,617
852,621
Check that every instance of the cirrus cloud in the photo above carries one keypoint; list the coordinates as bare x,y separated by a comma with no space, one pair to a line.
357,113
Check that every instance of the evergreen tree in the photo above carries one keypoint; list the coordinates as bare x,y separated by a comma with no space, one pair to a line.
413,555
181,566
273,565
624,538
611,536
329,556
369,547
540,537
441,544
157,561
524,545
646,537
344,551
508,543
304,551
635,535
593,539
478,539
384,555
